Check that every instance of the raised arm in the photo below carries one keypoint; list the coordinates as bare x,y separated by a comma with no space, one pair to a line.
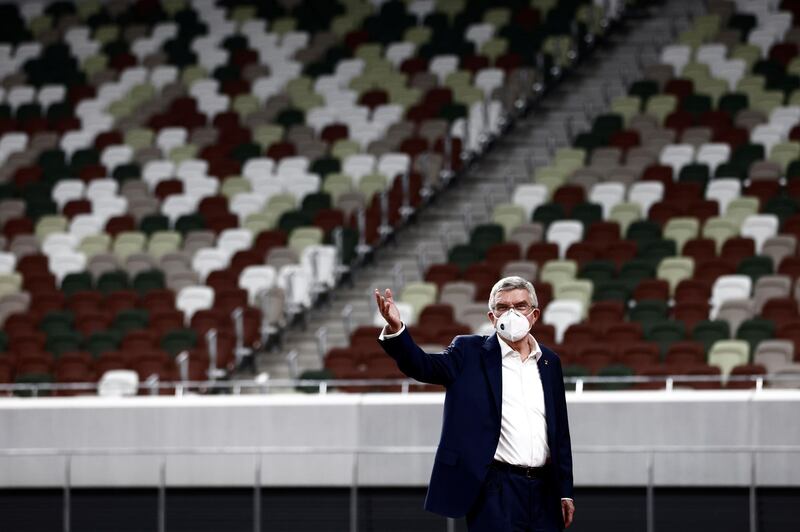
434,368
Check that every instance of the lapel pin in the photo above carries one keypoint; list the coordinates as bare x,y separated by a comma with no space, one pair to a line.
545,362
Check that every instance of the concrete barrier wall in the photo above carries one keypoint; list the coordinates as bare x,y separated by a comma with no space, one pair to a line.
339,422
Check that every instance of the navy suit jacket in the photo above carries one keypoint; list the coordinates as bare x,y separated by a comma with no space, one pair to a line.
471,370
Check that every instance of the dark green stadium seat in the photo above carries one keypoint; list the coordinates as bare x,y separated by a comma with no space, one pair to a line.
743,21
81,158
755,267
177,340
225,73
574,370
793,170
53,163
38,191
245,151
130,320
148,280
648,311
291,220
463,256
787,84
29,111
153,223
101,342
57,321
782,207
314,375
695,173
644,89
314,202
64,341
731,169
733,102
709,331
453,111
615,370
664,333
189,222
611,290
587,214
316,69
58,111
587,141
635,271
606,125
598,271
76,282
548,213
33,378
772,71
7,190
657,250
747,154
113,281
326,165
126,171
37,197
178,54
643,232
697,104
39,207
235,42
349,243
755,330
485,236
289,117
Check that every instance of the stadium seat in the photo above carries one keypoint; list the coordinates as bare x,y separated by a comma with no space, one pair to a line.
727,354
561,314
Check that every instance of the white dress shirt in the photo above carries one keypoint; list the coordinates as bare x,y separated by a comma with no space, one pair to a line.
523,426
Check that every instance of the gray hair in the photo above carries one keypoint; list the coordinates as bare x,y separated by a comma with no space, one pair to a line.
512,283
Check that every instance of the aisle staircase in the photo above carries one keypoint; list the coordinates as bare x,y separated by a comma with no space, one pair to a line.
563,112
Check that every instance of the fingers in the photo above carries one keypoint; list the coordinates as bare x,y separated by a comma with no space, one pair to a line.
568,512
384,301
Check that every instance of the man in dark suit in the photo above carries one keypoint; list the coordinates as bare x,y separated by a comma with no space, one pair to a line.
504,458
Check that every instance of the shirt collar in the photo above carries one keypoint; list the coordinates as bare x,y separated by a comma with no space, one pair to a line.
507,350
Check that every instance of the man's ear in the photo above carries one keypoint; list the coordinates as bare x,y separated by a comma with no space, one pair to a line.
492,319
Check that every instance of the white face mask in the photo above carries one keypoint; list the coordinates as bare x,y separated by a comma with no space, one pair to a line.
512,326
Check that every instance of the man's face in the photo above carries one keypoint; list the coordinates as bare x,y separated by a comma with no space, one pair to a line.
516,298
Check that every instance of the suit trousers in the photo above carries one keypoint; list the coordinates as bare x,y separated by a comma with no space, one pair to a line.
509,502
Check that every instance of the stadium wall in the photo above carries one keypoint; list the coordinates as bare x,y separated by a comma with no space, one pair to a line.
308,439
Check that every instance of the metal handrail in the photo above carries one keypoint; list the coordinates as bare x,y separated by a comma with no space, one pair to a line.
324,385
373,449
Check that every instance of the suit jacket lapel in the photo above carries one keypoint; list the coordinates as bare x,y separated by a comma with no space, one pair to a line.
492,364
547,387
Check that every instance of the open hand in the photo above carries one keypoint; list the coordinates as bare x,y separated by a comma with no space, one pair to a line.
567,511
389,311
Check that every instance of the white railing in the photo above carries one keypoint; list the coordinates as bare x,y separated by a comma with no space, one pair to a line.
324,386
